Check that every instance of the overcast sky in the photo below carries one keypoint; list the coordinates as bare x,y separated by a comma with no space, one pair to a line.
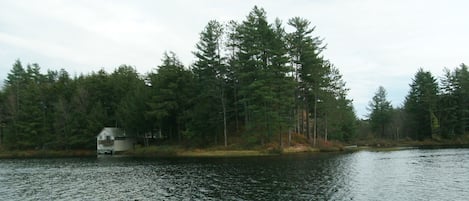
372,42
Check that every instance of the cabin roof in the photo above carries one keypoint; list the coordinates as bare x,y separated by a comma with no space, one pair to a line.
116,132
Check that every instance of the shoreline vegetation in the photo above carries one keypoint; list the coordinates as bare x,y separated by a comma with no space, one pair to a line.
13,154
219,151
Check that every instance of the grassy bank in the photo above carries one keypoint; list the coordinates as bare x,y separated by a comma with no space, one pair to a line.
393,145
46,153
238,148
272,149
384,143
177,151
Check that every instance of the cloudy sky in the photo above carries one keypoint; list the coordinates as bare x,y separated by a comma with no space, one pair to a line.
372,42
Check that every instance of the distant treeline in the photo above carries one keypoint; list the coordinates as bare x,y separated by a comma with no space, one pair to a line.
252,83
431,109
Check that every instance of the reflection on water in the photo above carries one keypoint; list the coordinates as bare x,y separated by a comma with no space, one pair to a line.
441,174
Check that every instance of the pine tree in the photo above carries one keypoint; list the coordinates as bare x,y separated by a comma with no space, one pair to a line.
131,95
15,85
261,68
64,88
335,110
380,112
172,89
26,107
462,96
3,117
453,103
310,73
420,105
210,73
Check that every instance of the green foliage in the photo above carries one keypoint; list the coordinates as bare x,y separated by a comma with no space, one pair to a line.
420,105
261,71
210,73
251,79
453,108
321,106
380,112
171,93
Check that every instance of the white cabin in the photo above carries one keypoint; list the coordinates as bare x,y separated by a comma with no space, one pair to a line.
113,140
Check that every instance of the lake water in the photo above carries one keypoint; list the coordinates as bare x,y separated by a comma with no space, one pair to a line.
432,174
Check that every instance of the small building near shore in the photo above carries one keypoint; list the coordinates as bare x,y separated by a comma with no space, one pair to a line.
113,140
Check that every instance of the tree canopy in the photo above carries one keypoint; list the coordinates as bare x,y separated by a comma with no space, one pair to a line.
380,111
252,82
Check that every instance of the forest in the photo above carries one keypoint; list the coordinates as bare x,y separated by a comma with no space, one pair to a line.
252,83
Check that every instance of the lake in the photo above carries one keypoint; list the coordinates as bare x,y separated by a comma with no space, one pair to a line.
416,174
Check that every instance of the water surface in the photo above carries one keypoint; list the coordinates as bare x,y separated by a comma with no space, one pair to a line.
433,174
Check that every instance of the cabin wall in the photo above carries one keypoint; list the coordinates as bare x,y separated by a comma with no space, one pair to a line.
112,140
104,145
123,145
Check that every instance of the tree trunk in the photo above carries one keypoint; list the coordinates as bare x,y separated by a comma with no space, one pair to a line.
1,134
281,142
308,130
297,119
325,129
302,130
397,133
246,119
216,138
315,120
236,109
224,118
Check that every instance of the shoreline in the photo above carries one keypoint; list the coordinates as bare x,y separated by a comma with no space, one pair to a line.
217,152
176,151
19,154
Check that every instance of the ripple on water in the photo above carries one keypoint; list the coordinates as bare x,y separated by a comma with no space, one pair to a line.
400,175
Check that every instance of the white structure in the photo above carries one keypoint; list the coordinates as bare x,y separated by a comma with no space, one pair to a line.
113,140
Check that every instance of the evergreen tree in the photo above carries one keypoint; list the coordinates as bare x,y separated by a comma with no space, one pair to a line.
335,110
420,106
81,104
15,85
3,116
232,45
211,77
261,68
454,102
133,94
26,107
64,88
172,89
311,72
380,112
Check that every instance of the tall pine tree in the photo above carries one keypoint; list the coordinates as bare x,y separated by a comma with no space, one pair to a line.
210,72
380,112
420,106
172,89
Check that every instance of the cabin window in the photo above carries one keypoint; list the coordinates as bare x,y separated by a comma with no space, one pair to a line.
106,140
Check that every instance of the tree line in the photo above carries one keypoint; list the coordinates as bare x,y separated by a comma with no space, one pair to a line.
251,82
431,110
